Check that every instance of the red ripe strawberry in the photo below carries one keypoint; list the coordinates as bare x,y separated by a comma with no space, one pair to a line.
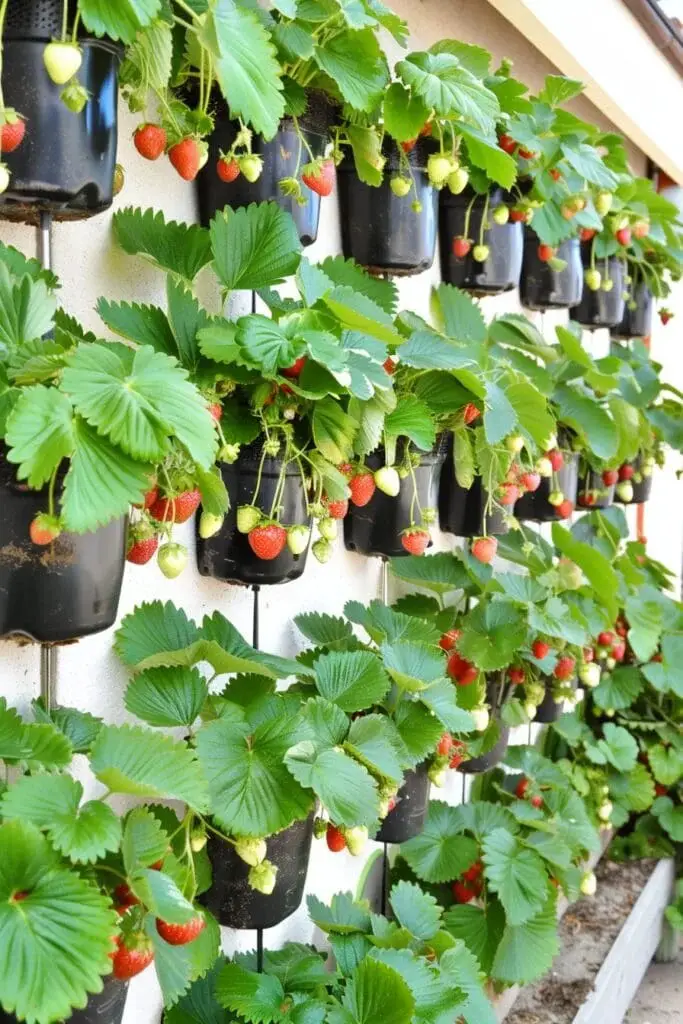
176,510
564,509
216,410
623,236
540,649
463,893
531,481
587,234
521,788
449,639
140,552
443,747
227,170
186,158
415,541
12,135
586,498
409,146
129,962
295,369
484,549
150,141
516,676
337,509
474,872
336,841
619,650
149,498
124,896
660,790
461,247
267,542
537,800
362,487
545,252
389,366
665,315
509,494
507,143
556,459
657,657
181,934
610,477
606,638
43,530
320,177
518,216
626,471
565,668
555,174
462,671
471,413
526,154
458,753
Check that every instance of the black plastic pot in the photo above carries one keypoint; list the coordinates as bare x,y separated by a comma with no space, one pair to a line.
636,323
376,528
592,491
381,231
601,308
541,287
282,158
61,592
228,556
535,505
461,511
501,271
65,163
232,900
641,488
105,1008
549,710
477,765
407,818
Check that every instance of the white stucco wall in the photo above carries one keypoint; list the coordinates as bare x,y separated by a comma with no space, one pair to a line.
89,266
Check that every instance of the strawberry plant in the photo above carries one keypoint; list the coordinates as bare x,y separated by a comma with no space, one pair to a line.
87,893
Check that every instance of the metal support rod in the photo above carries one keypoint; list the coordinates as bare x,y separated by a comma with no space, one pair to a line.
255,621
44,240
384,582
259,950
385,879
464,788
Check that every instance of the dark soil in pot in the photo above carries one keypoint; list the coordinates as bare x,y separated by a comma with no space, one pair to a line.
375,529
232,900
381,231
228,556
61,592
65,163
636,323
282,156
105,1008
600,308
501,271
461,511
535,505
642,486
407,818
593,492
541,287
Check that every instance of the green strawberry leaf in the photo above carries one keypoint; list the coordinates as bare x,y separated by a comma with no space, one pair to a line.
517,874
526,951
404,114
589,420
441,698
618,748
144,325
181,249
254,247
427,350
355,63
357,312
440,573
480,928
666,764
27,308
160,894
419,729
634,790
593,564
264,344
441,852
341,784
620,688
41,745
374,741
458,315
39,433
153,627
144,841
459,967
382,292
485,153
374,992
324,630
412,419
333,430
670,817
415,910
255,997
122,20
434,999
413,667
167,696
444,84
79,727
492,634
342,917
500,417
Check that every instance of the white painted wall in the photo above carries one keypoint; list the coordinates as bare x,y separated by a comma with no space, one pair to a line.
89,266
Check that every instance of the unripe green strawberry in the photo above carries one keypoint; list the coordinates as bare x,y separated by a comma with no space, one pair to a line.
172,559
356,838
428,516
593,279
438,169
605,810
251,851
481,719
530,709
416,206
458,181
501,214
400,186
607,284
248,516
481,253
544,467
514,443
625,491
229,453
209,525
569,574
62,61
556,498
589,884
322,551
74,96
603,203
328,528
251,167
388,480
297,539
437,775
198,840
262,877
590,674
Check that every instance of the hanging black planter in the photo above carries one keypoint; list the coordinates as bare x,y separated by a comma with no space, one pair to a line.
64,591
549,710
593,492
502,269
407,818
535,505
375,529
282,158
541,287
600,308
381,231
636,323
482,763
65,163
642,485
105,1008
232,900
228,556
461,511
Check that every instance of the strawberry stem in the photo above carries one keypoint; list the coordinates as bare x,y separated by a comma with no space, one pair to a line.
65,20
484,219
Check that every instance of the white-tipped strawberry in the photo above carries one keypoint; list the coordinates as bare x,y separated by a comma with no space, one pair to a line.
388,480
62,61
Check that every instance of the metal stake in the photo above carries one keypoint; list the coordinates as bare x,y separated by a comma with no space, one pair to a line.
384,582
385,878
48,654
255,621
259,950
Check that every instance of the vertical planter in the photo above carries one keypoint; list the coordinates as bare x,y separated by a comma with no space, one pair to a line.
64,591
549,710
105,1008
637,322
282,156
535,505
407,818
601,308
376,528
463,512
232,900
642,485
495,695
541,287
381,231
592,491
65,163
501,271
228,556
